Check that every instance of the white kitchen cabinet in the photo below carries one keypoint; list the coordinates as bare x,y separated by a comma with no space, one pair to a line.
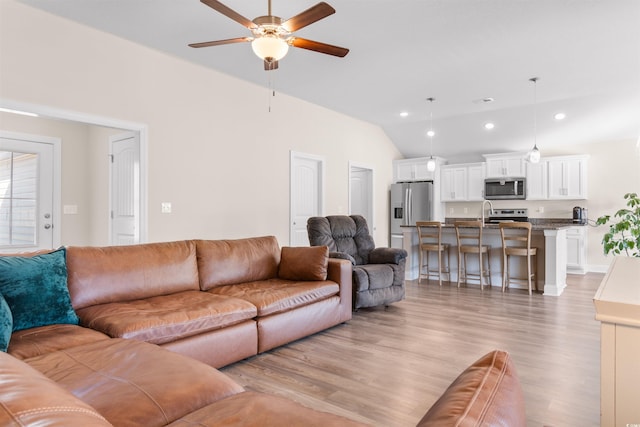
510,165
567,177
408,170
577,250
453,183
537,185
475,181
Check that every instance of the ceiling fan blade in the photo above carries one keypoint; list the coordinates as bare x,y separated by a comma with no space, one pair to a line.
309,16
270,65
230,13
319,47
220,42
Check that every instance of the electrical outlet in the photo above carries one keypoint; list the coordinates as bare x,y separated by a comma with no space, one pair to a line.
450,210
541,209
165,207
466,210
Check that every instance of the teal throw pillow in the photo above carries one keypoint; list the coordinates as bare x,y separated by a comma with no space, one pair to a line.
35,289
6,324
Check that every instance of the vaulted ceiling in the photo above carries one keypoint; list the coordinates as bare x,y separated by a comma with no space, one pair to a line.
586,54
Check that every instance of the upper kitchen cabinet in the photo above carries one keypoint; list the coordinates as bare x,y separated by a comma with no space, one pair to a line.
462,182
537,187
567,177
505,165
408,170
475,181
453,183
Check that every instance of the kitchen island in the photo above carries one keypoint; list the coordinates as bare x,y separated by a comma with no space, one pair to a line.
549,236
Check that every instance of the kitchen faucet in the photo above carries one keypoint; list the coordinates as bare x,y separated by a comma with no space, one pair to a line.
490,209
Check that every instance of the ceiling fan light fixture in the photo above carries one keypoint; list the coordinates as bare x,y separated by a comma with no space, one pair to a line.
270,47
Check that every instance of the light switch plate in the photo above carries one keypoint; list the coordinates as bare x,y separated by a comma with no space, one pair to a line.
70,209
166,207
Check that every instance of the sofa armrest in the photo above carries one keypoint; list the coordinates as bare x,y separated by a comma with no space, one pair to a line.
487,393
342,255
340,271
387,256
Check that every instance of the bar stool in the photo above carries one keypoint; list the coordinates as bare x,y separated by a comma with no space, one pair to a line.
469,238
430,240
516,241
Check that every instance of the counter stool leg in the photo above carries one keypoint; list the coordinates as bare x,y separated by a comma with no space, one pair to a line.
440,266
529,272
460,255
489,266
505,265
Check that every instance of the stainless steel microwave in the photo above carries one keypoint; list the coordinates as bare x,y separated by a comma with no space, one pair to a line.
505,189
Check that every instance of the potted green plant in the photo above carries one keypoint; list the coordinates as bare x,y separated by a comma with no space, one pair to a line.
624,229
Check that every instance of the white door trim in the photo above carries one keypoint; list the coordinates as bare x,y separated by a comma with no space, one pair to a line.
141,128
294,155
57,175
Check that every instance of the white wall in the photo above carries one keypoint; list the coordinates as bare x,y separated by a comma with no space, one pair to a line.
214,150
613,171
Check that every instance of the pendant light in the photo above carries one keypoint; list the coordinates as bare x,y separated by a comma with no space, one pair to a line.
431,163
534,154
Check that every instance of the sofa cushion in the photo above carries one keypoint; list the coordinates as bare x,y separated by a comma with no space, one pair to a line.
227,262
277,295
6,324
28,398
487,393
251,409
304,263
99,275
166,318
35,288
45,339
132,383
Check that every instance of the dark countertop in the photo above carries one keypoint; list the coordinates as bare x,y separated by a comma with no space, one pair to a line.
537,224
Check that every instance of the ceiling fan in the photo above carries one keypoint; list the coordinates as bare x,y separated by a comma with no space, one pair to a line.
272,36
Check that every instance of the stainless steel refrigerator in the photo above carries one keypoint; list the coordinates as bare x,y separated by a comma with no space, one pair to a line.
410,202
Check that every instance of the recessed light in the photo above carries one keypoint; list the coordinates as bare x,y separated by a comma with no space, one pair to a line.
489,126
404,114
560,116
430,133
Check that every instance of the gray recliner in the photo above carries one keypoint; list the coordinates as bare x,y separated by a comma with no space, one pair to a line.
378,273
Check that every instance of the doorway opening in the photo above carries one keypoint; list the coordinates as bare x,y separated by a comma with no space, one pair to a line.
141,133
361,192
29,191
306,197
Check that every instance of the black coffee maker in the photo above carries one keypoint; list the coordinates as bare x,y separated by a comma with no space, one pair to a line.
579,215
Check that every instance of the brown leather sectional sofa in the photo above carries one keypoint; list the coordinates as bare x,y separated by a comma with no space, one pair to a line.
211,303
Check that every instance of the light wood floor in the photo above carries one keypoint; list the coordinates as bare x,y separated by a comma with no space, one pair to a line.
387,367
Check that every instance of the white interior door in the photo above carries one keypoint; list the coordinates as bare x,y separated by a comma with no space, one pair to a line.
361,193
306,196
125,189
29,188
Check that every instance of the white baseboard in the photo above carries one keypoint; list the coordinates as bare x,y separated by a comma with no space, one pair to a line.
597,268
